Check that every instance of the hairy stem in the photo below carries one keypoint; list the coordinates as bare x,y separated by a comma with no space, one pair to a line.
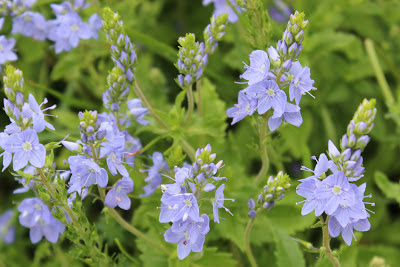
146,103
264,153
190,105
249,253
326,244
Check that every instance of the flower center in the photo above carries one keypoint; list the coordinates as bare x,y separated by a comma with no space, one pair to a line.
262,68
27,18
27,146
337,190
270,92
186,236
74,27
118,189
188,203
248,109
37,206
1,48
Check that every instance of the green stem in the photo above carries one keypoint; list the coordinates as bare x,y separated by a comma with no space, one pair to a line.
146,103
188,149
380,76
130,228
199,99
326,244
53,195
190,105
328,123
264,153
249,253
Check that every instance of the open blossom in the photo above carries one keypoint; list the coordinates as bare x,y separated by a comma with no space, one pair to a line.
118,195
222,6
7,231
291,115
6,49
26,149
190,235
179,207
301,82
259,67
245,107
31,24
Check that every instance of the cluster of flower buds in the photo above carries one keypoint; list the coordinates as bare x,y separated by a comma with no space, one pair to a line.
349,160
214,32
273,191
89,126
274,76
190,60
179,203
122,50
334,194
118,90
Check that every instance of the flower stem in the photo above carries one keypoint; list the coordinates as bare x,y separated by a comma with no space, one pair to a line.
190,104
199,99
326,244
380,76
264,153
247,243
146,103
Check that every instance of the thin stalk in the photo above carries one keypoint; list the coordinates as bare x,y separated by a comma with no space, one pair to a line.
328,123
188,149
326,244
249,253
146,103
264,153
199,98
130,228
190,104
380,76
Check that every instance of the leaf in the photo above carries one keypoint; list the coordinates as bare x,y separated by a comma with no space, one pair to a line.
211,257
287,251
391,190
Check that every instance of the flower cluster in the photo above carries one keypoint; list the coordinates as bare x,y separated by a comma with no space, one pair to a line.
225,7
273,191
65,30
179,202
272,75
37,216
101,144
334,194
193,56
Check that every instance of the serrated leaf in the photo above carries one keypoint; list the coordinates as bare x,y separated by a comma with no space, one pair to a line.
391,190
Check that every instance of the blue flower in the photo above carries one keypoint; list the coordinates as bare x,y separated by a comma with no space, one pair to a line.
118,195
138,111
190,235
258,69
301,83
245,107
179,207
6,49
222,6
31,24
335,228
154,176
269,96
312,201
7,231
26,148
38,116
7,156
95,24
85,172
337,190
291,114
219,202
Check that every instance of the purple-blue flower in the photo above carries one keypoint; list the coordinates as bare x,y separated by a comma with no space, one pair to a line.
219,202
335,228
312,201
245,107
190,235
269,96
258,69
154,176
337,190
179,207
6,49
138,111
291,115
27,149
222,6
118,195
38,121
7,231
301,82
31,24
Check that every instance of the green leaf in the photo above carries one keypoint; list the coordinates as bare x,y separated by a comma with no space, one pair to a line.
287,251
391,190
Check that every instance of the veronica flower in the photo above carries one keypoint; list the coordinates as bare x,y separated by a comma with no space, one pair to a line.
31,24
245,107
259,67
291,115
7,231
179,207
6,49
38,116
301,83
219,202
118,195
335,229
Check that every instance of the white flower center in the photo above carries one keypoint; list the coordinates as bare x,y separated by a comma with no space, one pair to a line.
37,206
337,190
270,92
188,203
262,68
27,146
1,48
74,27
27,18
